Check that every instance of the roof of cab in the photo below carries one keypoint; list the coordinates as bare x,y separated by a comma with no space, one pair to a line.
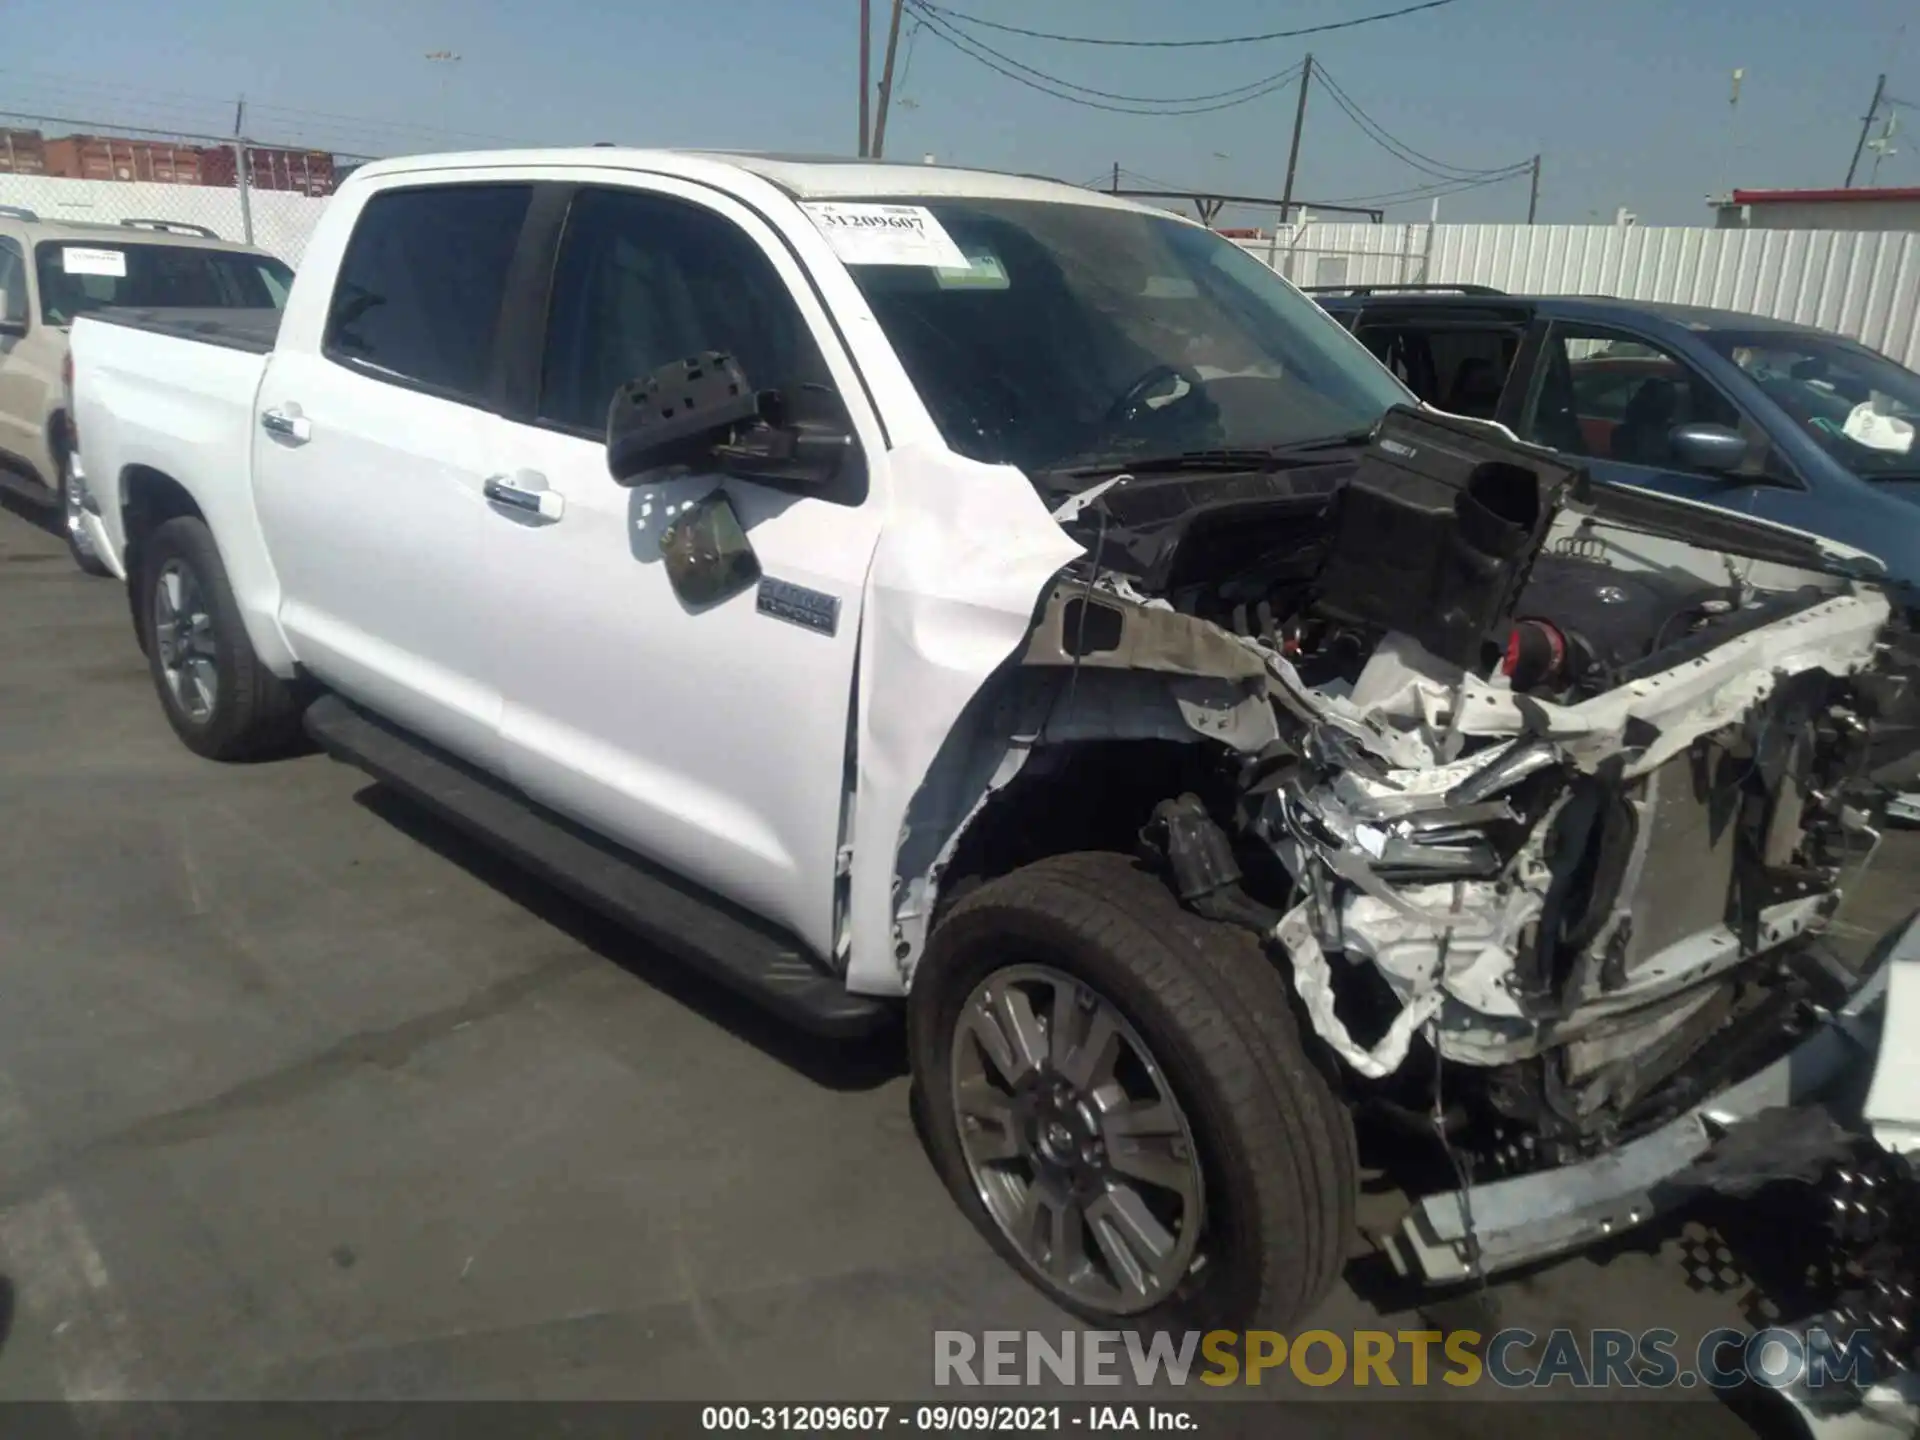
804,177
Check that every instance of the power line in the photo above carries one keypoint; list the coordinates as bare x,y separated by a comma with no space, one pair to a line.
1053,84
1399,149
1435,192
1046,84
1156,180
159,102
1188,44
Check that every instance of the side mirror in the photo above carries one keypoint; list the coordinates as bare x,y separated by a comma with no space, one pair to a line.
10,324
675,415
800,442
1713,448
707,553
704,412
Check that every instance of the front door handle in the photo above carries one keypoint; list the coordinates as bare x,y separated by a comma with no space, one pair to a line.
289,425
527,492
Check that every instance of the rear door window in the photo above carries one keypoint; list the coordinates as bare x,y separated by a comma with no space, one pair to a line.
418,297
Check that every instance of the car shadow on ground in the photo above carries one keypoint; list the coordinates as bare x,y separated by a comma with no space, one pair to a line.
17,498
864,1064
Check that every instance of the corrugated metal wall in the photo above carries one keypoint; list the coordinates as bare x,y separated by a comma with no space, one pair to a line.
1866,285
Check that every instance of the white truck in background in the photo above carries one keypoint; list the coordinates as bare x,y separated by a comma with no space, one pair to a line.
885,584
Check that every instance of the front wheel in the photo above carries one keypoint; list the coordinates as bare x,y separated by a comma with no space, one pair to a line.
221,701
74,515
1116,1093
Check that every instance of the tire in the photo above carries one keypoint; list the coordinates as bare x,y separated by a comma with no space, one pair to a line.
1277,1174
78,544
240,710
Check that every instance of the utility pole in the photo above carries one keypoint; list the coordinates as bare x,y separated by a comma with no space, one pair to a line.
1293,153
1866,125
1533,195
866,68
1116,177
886,83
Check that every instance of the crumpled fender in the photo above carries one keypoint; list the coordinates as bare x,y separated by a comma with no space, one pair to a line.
961,568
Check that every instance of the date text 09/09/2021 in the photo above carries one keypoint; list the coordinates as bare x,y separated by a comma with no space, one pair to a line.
941,1419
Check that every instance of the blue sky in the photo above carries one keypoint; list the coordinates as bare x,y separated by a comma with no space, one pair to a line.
1626,99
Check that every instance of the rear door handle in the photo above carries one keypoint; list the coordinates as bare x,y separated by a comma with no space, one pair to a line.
527,492
286,425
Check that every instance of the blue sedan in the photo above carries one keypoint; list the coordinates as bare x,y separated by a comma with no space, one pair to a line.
1766,418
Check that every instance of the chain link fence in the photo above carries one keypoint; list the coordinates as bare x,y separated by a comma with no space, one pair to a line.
269,197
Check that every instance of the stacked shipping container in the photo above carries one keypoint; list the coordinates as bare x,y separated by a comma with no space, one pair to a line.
309,172
112,157
22,152
106,157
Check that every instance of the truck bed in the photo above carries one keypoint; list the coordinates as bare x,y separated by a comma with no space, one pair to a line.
253,331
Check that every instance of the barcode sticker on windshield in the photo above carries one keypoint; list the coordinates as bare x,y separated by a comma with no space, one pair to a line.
77,260
886,235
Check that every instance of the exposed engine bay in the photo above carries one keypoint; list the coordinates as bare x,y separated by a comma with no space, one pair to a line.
1542,796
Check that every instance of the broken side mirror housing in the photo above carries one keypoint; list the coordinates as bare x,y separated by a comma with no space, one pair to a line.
676,415
1437,529
1713,448
703,412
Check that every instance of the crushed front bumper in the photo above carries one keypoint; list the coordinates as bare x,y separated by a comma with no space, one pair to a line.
1536,1217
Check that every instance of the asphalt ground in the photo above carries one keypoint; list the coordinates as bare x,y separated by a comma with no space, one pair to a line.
304,1096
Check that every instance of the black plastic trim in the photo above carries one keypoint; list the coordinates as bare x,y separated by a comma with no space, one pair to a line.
728,944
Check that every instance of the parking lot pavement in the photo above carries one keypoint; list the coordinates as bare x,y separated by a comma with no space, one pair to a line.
302,1095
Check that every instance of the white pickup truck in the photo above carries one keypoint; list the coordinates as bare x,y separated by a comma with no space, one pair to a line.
888,584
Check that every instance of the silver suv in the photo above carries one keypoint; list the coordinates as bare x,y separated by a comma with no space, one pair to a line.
53,271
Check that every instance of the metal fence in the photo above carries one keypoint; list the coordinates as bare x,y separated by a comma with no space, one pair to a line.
277,220
1862,284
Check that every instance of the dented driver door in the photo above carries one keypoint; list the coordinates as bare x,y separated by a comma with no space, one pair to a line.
708,732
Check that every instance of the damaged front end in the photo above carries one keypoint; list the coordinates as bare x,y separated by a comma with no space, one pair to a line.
1537,793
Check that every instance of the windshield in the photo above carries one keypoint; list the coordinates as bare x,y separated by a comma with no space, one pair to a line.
77,276
1079,334
1858,406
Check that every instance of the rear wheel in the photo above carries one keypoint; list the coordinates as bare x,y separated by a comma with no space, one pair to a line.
1116,1093
74,514
221,701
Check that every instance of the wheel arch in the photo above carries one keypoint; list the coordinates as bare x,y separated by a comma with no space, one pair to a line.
149,498
1053,757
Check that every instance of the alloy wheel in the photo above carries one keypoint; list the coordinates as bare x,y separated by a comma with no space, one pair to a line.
1075,1140
183,638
